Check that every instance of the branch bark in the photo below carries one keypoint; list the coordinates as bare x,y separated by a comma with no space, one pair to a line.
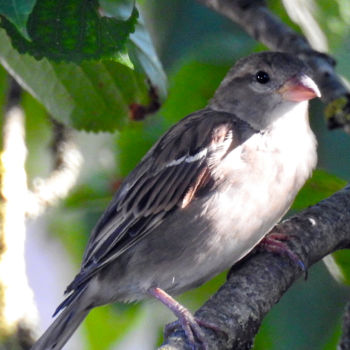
18,314
255,18
345,338
256,284
68,160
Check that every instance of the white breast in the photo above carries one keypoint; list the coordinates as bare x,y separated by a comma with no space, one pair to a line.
266,173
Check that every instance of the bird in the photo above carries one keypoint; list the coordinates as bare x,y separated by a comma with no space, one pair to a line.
206,193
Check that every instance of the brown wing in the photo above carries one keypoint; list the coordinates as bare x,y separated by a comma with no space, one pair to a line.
176,170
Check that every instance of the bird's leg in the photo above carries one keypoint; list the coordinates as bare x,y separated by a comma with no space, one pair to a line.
275,243
188,322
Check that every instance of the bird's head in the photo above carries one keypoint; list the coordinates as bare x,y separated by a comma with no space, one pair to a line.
262,87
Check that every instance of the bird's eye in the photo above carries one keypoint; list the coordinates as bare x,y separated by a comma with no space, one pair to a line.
262,77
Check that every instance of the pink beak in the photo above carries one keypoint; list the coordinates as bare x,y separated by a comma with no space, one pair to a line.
299,88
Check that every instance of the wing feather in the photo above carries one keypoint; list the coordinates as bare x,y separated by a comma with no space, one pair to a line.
173,173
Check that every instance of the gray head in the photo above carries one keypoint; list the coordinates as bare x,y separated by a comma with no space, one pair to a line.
261,87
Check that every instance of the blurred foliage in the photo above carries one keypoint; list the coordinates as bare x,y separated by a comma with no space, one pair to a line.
342,259
197,47
38,134
320,186
308,317
335,21
104,325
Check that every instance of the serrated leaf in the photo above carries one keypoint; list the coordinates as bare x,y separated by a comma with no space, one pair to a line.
140,46
17,12
72,31
94,96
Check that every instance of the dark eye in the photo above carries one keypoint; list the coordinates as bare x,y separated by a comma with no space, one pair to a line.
262,77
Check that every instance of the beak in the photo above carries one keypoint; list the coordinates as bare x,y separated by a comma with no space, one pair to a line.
299,88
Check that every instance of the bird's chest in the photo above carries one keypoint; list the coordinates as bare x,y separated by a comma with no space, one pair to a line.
262,177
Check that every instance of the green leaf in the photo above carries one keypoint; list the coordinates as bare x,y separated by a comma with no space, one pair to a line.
94,96
140,46
333,340
38,136
320,186
334,19
341,267
107,324
72,31
134,141
17,12
191,88
144,57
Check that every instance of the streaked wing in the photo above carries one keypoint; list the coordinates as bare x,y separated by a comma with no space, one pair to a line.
173,173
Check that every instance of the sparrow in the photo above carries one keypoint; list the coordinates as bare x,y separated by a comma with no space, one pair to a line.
202,197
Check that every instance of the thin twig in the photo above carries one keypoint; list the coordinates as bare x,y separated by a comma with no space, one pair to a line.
67,163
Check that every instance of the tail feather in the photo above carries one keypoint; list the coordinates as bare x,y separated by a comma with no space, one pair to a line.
56,336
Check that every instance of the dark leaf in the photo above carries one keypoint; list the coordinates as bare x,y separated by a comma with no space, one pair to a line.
72,31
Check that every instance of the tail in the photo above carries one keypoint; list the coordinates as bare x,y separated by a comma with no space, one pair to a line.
56,336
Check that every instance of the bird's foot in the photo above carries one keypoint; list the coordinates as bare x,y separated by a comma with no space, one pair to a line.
275,243
190,324
192,329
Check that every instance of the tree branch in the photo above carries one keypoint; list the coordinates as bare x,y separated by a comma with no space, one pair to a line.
67,164
18,314
255,18
258,283
345,338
